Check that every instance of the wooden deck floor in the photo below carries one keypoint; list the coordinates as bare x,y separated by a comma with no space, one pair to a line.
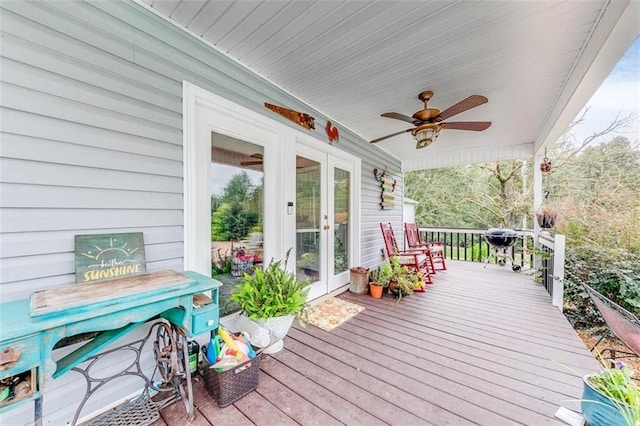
481,346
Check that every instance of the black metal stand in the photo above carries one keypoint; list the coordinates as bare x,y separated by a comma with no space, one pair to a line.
172,363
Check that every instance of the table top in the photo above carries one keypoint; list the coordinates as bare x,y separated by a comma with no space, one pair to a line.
16,319
70,297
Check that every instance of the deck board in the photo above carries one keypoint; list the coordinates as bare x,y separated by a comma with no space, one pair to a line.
481,346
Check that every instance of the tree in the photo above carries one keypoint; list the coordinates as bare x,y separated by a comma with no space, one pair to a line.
492,194
598,193
476,196
219,229
238,189
238,211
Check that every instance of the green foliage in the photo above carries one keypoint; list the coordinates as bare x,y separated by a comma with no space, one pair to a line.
232,222
238,211
382,274
403,277
472,196
340,256
238,189
273,292
218,223
478,252
223,268
612,272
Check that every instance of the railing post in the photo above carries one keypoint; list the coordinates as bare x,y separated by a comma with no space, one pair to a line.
558,271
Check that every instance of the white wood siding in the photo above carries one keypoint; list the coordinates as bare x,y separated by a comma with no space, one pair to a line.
92,143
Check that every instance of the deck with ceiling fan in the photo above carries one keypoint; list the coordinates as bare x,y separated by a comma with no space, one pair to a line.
481,346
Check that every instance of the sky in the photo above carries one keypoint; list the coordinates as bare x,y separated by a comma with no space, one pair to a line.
619,93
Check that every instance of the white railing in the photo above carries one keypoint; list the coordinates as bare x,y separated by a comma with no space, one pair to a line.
551,265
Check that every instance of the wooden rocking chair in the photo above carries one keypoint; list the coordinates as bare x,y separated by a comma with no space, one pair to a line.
434,249
622,324
414,259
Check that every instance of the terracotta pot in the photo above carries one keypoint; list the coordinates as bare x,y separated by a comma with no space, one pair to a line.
375,291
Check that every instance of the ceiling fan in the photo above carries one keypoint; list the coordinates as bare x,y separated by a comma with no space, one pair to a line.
429,121
301,162
259,160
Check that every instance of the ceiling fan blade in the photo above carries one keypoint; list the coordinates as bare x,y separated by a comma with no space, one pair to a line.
477,126
465,104
251,163
402,117
391,135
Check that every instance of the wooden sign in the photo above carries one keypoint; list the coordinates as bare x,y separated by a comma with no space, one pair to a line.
104,256
387,186
300,118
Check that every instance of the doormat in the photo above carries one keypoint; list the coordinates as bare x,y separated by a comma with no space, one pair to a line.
332,312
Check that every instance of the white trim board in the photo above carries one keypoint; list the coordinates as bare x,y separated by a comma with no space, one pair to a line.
206,112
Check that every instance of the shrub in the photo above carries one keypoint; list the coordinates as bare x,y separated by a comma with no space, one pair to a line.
613,272
478,252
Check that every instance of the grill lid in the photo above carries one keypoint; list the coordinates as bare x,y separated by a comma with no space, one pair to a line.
501,233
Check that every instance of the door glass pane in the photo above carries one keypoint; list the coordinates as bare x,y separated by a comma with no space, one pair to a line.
308,219
341,221
236,212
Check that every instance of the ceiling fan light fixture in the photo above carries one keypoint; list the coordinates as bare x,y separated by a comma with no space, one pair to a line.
426,134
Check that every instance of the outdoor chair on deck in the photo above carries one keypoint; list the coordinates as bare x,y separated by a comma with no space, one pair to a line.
622,324
434,249
253,246
414,259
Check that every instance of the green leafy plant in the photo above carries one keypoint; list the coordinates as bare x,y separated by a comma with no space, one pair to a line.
478,252
613,272
222,265
401,276
616,383
273,292
382,274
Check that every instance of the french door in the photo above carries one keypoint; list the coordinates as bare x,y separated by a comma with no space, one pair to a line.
324,219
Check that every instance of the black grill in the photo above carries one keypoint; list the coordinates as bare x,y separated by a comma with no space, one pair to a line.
501,238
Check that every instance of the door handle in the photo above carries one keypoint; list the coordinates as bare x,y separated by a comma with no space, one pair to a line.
326,227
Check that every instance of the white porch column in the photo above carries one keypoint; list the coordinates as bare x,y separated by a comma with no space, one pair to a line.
537,203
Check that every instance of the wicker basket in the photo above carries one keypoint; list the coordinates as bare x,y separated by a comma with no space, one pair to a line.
241,264
229,386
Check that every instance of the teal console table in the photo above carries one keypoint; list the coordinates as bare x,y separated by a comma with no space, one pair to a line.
30,328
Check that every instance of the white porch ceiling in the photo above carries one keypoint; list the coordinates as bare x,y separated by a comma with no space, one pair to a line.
354,60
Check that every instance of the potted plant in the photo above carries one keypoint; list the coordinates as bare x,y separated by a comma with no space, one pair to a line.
380,278
272,298
400,284
417,282
546,217
611,398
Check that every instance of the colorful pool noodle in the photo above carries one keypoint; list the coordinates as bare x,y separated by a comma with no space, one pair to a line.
229,342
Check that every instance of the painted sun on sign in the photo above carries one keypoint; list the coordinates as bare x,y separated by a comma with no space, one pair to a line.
106,256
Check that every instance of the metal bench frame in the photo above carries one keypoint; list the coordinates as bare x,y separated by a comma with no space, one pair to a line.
621,323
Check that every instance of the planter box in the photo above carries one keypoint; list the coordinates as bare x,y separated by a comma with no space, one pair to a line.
597,408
